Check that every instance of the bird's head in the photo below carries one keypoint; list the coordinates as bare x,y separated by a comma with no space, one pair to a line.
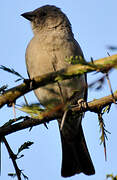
47,17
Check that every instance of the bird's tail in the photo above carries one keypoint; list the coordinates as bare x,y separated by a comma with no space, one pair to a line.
75,155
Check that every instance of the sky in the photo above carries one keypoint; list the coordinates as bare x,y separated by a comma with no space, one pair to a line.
94,27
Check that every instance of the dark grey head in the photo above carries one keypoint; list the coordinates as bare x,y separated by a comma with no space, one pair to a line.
47,16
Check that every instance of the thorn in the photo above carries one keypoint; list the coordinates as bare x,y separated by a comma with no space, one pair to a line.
108,80
45,125
105,152
92,60
63,120
26,101
14,112
108,53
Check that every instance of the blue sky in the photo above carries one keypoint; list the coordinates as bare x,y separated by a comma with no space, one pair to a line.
94,26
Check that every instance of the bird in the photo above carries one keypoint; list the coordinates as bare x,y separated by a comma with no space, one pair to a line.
52,48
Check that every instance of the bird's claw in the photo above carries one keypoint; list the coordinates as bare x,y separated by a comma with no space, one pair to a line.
82,104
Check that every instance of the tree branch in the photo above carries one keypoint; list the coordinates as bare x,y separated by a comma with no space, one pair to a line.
13,158
102,65
94,106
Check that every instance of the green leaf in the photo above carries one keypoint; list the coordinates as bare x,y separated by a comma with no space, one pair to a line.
75,60
111,176
33,110
11,71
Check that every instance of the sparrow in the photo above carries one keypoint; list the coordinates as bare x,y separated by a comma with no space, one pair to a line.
50,49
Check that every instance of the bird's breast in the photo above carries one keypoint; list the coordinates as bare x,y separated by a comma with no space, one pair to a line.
46,55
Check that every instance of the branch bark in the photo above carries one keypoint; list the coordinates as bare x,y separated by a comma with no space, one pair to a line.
93,106
103,65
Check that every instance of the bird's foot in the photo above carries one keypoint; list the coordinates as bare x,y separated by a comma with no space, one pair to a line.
82,104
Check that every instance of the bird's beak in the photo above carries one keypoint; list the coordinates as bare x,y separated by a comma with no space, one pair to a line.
28,15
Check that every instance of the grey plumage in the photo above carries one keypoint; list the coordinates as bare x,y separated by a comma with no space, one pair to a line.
53,42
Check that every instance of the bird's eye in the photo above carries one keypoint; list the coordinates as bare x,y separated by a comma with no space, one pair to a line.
42,14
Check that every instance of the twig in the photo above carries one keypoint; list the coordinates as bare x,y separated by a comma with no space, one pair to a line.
108,80
59,86
13,158
57,112
14,112
63,120
26,102
62,98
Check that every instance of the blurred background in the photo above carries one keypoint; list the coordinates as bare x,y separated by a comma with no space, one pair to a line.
95,28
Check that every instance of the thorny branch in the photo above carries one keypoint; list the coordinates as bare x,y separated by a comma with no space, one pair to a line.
9,97
13,158
94,106
101,65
